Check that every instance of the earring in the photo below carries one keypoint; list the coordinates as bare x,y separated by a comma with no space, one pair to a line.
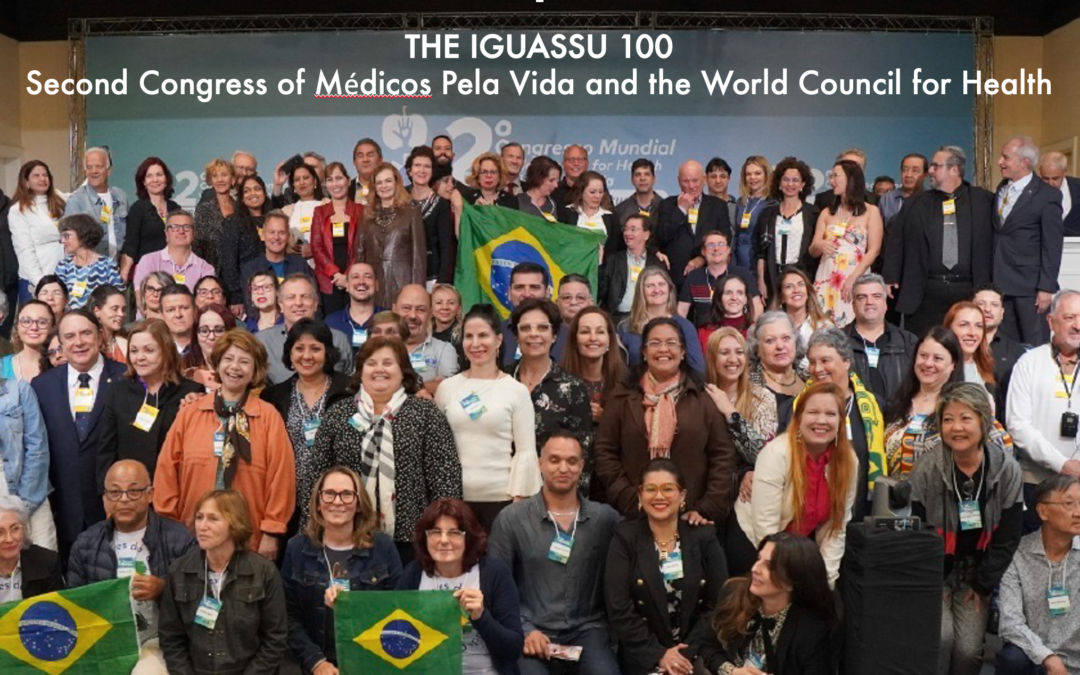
798,436
639,506
682,507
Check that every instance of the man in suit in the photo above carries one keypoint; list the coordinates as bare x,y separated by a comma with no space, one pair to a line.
1027,242
367,154
1052,168
938,248
684,219
73,396
826,198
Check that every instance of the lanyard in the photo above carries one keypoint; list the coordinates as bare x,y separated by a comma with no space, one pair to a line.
554,522
1069,388
206,580
1064,571
982,479
330,568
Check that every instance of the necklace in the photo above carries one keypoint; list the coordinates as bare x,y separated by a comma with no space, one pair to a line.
563,513
663,545
794,378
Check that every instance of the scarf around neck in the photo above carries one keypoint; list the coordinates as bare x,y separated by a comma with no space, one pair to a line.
237,434
660,418
377,453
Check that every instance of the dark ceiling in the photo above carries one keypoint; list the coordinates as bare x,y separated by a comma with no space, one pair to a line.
32,21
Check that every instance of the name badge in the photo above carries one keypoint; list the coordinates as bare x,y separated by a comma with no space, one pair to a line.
1058,599
129,567
970,516
84,400
305,224
838,230
416,360
339,230
560,548
261,234
872,355
635,271
144,419
517,353
672,568
207,613
106,213
692,216
643,212
745,222
179,278
550,217
591,225
915,426
310,428
79,289
359,337
219,443
847,423
340,584
783,229
948,207
473,407
356,423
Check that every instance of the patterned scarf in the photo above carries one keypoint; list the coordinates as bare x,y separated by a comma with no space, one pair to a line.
660,418
237,434
377,454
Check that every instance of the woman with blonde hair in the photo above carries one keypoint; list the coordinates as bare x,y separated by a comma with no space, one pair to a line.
393,242
655,298
446,314
213,209
486,176
754,178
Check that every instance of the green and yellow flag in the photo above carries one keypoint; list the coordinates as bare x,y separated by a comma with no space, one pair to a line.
411,632
494,239
59,632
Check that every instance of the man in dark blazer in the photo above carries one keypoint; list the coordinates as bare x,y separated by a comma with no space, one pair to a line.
73,396
929,280
1052,168
684,220
1028,238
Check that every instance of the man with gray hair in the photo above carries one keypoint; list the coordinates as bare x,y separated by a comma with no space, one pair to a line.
882,352
1028,237
298,298
1052,168
684,219
107,205
939,247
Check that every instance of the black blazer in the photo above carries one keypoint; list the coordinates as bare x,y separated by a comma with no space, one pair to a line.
673,235
502,199
145,229
801,649
765,243
637,600
614,276
907,243
827,198
280,394
121,440
41,571
614,242
1027,246
1072,221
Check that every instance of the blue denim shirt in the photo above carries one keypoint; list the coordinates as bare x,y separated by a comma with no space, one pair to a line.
306,577
85,200
24,444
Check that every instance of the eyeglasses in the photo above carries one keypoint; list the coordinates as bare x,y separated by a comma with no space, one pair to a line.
715,246
186,227
667,489
27,322
205,331
13,532
452,535
489,172
53,352
264,288
575,299
202,292
153,290
1068,505
131,493
670,344
330,496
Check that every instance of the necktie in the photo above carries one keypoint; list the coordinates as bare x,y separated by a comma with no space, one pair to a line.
950,245
82,419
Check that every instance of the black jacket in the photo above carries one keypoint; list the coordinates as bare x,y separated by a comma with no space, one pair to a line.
765,243
614,276
674,237
119,437
240,244
41,571
1072,220
637,600
280,394
894,360
801,649
9,264
145,229
1027,246
93,557
1007,352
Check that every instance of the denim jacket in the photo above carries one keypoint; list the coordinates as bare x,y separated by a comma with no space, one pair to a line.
306,577
24,444
85,200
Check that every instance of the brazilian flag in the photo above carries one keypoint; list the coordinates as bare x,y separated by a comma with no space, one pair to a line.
81,631
493,239
409,632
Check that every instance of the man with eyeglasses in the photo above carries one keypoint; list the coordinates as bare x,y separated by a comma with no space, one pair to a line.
73,430
106,205
575,294
178,312
556,543
695,298
355,320
1039,624
431,358
575,161
275,259
939,247
133,542
176,259
298,298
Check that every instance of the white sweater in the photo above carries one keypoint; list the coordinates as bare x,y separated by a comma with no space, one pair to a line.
489,472
1036,402
36,239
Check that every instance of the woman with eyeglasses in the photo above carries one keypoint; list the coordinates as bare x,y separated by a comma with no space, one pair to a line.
26,569
241,240
263,289
33,322
52,291
487,176
140,409
786,225
212,210
53,356
109,305
208,291
341,549
970,491
212,322
83,269
150,294
662,578
451,555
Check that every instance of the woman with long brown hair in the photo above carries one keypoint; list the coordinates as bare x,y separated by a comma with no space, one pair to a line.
593,355
35,211
795,295
393,241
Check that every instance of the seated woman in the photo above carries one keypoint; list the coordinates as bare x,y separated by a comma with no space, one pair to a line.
83,269
140,408
594,356
209,291
642,421
110,307
26,570
805,482
149,297
24,452
970,491
248,603
966,321
654,297
213,321
795,296
662,579
451,555
621,270
263,289
33,322
52,291
777,620
341,549
730,307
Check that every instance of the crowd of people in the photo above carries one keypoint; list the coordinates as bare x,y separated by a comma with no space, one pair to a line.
280,397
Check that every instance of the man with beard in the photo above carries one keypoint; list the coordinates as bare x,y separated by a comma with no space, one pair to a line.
355,320
1007,351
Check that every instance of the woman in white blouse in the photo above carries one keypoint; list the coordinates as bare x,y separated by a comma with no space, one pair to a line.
591,209
35,211
493,421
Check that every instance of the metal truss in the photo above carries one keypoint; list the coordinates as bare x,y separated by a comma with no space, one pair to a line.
981,27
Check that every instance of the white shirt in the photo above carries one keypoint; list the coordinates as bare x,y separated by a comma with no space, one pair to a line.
106,199
794,239
1066,198
73,381
1036,402
1014,189
130,549
36,239
11,587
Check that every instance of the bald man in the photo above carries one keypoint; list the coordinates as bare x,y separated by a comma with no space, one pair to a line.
1052,169
433,359
684,219
132,542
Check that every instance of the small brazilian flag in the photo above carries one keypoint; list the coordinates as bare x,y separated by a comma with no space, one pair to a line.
59,632
411,632
493,239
